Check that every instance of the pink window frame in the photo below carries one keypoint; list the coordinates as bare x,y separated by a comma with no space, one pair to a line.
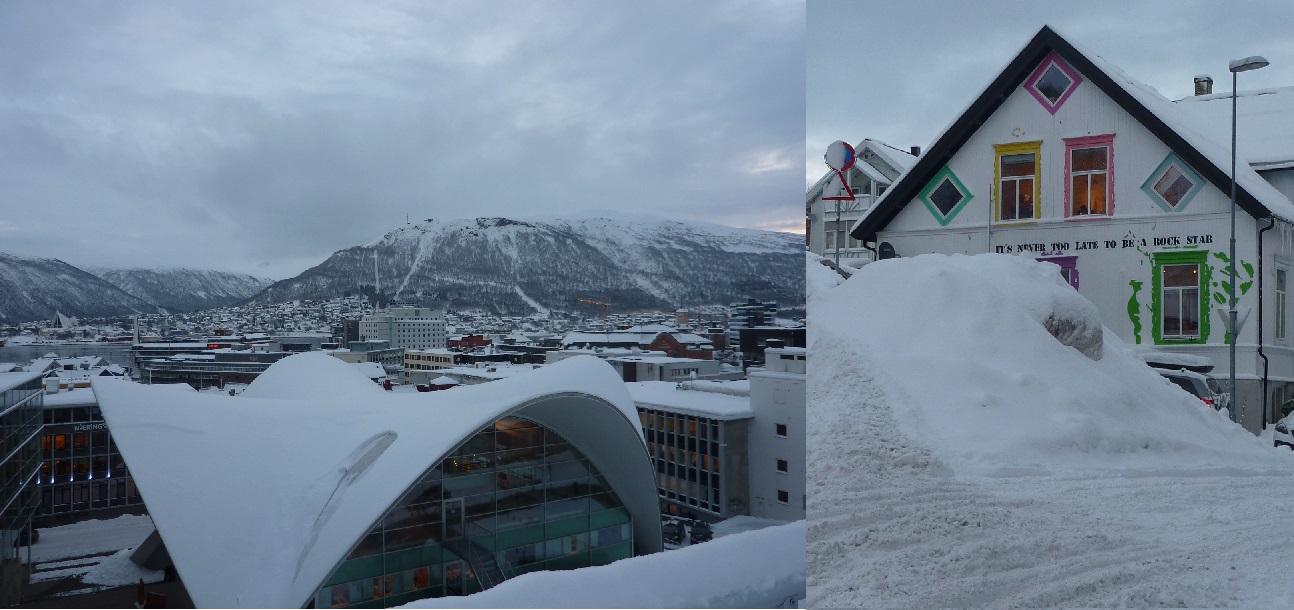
1051,58
1064,262
1106,140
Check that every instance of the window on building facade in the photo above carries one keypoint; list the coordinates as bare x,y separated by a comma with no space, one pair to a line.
1281,293
783,496
780,430
1016,181
1052,82
1089,169
944,196
782,466
1180,283
1173,184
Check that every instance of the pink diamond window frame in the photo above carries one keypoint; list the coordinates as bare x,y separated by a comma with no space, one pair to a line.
1079,143
1030,83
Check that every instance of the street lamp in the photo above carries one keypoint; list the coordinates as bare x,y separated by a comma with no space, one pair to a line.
1236,66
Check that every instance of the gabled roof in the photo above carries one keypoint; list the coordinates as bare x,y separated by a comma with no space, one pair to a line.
1156,113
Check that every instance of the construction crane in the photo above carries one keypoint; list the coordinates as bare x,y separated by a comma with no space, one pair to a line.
604,305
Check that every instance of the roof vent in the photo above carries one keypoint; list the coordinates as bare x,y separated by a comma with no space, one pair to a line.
916,151
1203,84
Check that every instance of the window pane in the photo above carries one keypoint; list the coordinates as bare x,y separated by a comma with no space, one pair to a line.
1026,198
1172,313
1191,312
1078,190
1098,193
1018,165
1008,200
1088,159
1181,276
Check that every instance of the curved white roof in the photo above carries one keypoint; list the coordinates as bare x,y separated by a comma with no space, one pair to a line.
258,496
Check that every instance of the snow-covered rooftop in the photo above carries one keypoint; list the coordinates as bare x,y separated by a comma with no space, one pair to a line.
1264,117
258,496
669,396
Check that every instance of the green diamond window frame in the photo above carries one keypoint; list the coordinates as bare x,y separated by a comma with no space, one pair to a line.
945,174
1189,257
1172,160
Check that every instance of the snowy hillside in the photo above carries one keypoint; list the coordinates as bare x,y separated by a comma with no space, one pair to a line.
968,458
34,288
183,290
522,266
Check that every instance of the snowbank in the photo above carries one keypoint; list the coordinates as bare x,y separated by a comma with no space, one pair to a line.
965,458
118,570
752,569
959,347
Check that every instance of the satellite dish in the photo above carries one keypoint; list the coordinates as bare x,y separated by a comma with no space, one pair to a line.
840,156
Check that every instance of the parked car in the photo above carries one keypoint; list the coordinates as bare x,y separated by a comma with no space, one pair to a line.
701,532
1195,384
1281,436
1223,397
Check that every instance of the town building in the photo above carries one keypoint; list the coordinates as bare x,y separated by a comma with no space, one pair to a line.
21,404
406,327
82,473
876,166
1065,158
751,314
698,437
777,435
654,337
664,368
753,342
411,496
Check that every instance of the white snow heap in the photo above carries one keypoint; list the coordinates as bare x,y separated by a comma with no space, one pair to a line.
258,496
955,344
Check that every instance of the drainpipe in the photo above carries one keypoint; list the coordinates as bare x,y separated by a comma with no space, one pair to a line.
875,254
1271,222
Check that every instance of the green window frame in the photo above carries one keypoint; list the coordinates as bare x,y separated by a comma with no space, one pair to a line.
1180,298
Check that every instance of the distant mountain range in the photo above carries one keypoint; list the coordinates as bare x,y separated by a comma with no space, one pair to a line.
183,290
517,267
34,288
496,265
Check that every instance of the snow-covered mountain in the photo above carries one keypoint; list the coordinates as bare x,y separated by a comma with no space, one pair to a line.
522,266
183,290
34,288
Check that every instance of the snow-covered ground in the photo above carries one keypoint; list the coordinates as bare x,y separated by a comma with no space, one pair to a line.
97,550
964,457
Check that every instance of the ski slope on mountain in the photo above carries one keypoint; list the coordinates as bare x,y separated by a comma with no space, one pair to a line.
968,458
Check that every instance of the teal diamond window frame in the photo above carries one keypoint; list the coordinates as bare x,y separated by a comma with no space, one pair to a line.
945,174
1172,160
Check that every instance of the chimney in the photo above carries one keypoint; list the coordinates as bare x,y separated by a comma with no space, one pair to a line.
1203,84
916,151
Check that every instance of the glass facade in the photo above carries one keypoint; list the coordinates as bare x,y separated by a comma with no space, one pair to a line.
81,469
685,451
515,498
20,423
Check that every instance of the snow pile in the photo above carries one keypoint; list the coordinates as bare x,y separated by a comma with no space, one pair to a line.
88,537
312,375
118,570
960,348
753,569
964,457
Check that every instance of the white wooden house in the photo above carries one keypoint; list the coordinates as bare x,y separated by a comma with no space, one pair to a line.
877,165
1066,158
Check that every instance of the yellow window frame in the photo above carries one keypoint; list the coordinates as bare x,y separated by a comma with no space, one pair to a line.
1016,148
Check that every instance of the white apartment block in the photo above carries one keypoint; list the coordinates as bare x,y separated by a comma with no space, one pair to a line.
406,327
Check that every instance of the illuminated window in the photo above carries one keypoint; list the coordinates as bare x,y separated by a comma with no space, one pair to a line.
1180,279
1089,167
1016,181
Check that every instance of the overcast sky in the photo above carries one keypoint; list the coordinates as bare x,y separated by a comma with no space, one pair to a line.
902,71
262,136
